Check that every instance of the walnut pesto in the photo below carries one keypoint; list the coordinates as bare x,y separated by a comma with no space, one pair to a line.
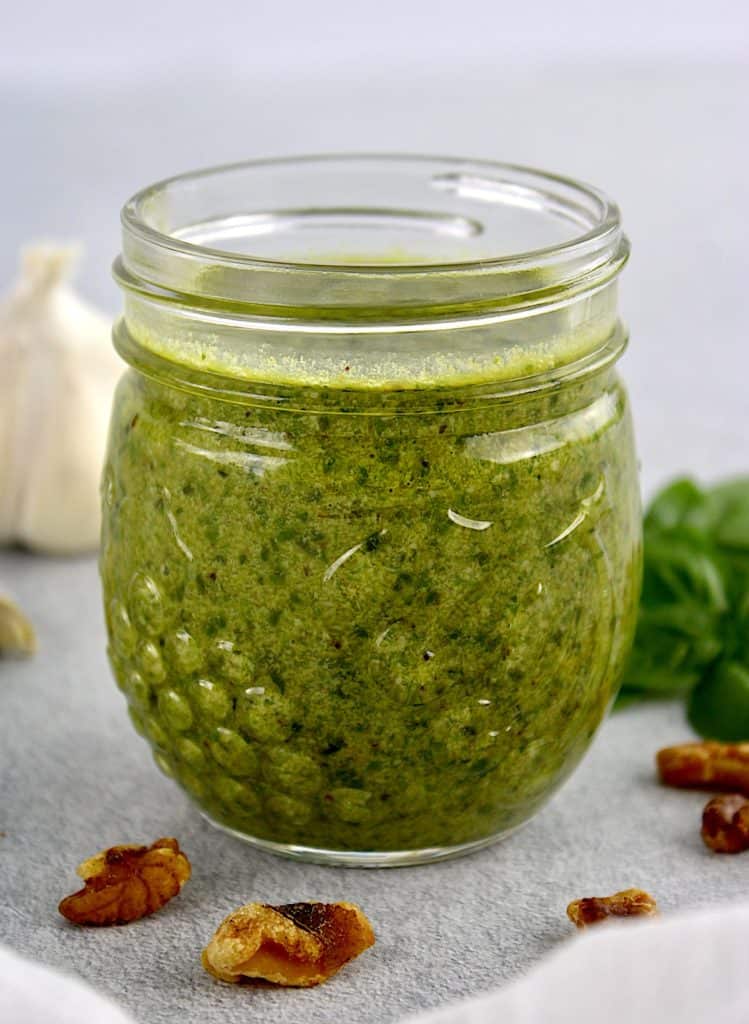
370,631
371,531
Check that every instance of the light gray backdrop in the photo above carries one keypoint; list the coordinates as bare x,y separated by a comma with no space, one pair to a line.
648,101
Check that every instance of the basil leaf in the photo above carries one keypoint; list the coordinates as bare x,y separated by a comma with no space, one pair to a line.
671,506
719,704
692,636
677,570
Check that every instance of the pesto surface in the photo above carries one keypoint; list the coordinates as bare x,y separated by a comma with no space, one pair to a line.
363,626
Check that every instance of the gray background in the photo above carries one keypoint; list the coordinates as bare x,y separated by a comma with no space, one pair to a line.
650,102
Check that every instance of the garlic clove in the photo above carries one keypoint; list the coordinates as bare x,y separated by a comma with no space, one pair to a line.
17,635
55,398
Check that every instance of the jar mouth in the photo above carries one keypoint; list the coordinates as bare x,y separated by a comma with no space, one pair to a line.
368,236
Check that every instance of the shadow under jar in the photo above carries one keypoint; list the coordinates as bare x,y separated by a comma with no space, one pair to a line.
371,544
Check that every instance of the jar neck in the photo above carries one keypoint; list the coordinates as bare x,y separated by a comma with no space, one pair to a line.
373,273
514,351
363,237
577,381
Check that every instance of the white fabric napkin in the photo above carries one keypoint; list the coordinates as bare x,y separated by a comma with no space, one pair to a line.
686,969
33,994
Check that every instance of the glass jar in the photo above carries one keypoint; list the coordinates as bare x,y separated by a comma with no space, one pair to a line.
371,543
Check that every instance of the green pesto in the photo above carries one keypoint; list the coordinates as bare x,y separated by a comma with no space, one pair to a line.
372,625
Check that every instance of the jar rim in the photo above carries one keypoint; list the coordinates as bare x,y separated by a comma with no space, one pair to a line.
166,255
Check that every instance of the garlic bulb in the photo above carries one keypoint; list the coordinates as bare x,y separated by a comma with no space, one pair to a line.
59,372
17,635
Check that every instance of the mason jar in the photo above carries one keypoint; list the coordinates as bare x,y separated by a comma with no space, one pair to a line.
371,543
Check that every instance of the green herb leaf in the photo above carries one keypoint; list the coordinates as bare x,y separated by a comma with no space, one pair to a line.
719,705
692,634
671,507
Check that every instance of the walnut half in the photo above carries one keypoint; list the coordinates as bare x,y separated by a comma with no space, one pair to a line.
125,883
298,944
725,823
706,765
628,903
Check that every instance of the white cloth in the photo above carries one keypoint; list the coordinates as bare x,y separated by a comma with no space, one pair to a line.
689,969
33,994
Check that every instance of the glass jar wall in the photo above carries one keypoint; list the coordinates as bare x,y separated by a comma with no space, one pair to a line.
371,549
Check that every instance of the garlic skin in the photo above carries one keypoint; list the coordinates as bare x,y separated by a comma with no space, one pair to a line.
59,373
17,635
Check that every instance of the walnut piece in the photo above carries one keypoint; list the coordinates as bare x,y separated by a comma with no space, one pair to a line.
298,944
707,764
725,823
125,883
628,903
